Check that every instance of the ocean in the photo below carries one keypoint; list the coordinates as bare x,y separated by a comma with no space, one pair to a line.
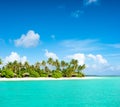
104,92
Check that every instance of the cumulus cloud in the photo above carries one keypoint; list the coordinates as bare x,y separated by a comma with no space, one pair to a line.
50,55
88,2
96,64
15,57
31,39
98,58
80,57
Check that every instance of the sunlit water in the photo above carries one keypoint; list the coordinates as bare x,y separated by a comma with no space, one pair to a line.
103,92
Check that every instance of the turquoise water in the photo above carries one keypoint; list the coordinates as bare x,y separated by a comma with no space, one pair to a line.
66,93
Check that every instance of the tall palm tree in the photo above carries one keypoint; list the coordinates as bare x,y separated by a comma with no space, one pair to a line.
69,71
57,64
0,61
9,65
43,63
26,66
50,61
37,65
81,67
74,64
63,64
47,70
20,65
15,66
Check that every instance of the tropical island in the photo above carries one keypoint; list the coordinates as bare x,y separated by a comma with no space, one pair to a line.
49,68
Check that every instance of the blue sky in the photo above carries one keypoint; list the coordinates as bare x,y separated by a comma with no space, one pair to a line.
87,30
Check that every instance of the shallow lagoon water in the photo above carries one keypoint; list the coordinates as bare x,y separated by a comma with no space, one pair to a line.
104,92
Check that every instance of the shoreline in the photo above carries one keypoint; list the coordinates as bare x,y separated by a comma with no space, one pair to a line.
48,78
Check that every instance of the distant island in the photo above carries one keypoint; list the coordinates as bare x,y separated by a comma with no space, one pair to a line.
49,68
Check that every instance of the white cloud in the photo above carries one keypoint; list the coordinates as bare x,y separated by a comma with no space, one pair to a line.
50,55
31,39
88,2
15,56
98,58
96,64
80,57
101,59
92,56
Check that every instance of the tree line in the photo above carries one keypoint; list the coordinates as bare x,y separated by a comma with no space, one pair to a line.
49,68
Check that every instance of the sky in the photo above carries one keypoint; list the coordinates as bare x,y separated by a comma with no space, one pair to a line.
86,30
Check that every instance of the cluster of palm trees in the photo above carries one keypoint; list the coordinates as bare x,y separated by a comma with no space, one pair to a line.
49,68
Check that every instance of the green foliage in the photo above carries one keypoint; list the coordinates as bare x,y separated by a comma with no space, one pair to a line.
80,74
43,75
0,70
34,74
56,74
54,68
19,76
0,61
68,72
7,73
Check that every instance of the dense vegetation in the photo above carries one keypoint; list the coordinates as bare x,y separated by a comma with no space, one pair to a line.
49,68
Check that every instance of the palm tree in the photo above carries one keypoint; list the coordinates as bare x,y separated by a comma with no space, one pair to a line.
80,68
66,69
9,65
63,64
47,70
0,64
15,66
37,65
26,65
20,65
69,71
0,61
74,64
57,64
43,63
50,61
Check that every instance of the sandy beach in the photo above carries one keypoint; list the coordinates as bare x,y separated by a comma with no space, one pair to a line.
48,78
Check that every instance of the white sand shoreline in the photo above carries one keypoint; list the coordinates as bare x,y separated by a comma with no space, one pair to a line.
47,78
